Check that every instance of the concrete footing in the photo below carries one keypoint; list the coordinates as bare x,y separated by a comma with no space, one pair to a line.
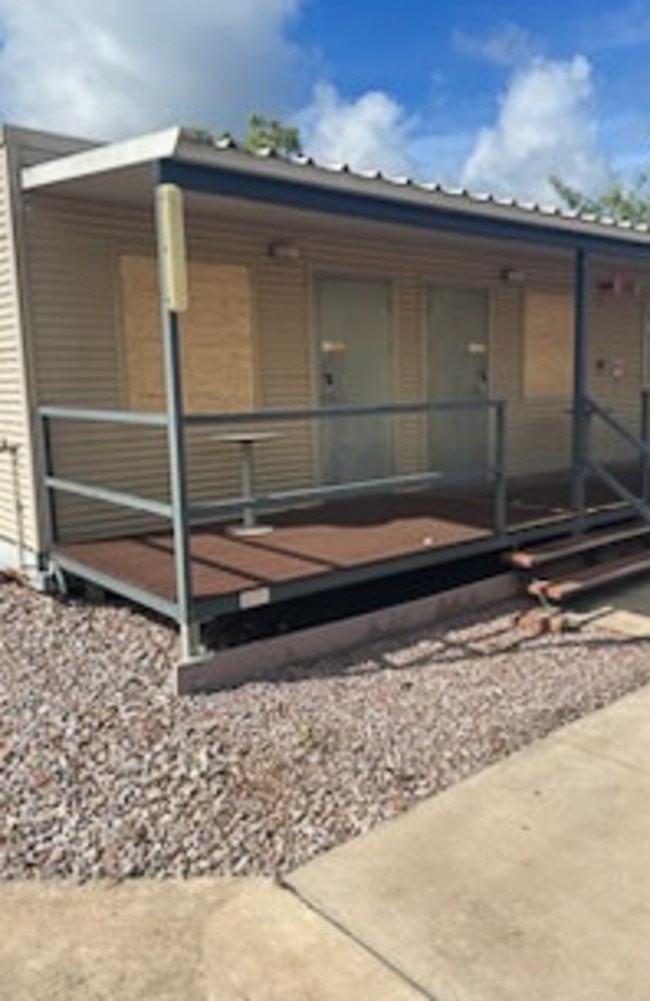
238,665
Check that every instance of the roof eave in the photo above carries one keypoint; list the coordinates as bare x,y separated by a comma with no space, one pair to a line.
427,196
185,147
139,151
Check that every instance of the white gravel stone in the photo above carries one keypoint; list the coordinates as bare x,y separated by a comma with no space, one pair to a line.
107,775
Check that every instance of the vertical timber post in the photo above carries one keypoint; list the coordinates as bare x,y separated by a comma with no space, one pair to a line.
580,442
172,270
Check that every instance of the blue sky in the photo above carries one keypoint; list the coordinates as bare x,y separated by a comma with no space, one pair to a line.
494,96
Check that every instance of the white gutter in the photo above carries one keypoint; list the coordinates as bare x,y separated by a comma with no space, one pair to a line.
113,156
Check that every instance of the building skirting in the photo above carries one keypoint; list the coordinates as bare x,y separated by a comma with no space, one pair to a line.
24,562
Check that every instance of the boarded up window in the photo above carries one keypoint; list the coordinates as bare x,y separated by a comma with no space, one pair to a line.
548,348
216,337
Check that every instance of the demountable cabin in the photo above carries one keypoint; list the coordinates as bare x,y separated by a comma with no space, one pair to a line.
371,374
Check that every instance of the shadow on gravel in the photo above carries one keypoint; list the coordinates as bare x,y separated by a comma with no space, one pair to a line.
494,632
433,649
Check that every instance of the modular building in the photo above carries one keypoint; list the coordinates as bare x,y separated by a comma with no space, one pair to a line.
371,374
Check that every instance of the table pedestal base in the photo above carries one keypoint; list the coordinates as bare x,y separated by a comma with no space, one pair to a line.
243,531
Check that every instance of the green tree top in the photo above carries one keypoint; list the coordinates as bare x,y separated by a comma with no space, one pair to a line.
271,133
262,133
625,204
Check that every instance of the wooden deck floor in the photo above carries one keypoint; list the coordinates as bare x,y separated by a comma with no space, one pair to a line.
322,540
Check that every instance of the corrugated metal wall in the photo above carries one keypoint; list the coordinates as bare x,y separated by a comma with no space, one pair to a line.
616,365
17,515
74,267
74,264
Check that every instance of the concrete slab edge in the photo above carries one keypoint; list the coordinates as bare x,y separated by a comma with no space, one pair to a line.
631,624
253,661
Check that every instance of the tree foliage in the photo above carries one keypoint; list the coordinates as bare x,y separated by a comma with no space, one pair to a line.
270,133
625,204
262,133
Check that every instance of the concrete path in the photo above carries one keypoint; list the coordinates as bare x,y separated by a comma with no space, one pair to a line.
530,881
167,941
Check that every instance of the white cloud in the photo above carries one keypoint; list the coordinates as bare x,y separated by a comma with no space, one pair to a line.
369,133
620,26
546,125
111,69
507,46
121,66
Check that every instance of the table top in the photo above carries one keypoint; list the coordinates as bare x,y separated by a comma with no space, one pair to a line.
247,437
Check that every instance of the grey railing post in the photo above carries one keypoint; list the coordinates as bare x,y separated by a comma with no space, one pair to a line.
580,435
644,435
48,515
176,439
501,464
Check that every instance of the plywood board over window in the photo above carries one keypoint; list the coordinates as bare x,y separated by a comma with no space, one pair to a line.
548,345
217,348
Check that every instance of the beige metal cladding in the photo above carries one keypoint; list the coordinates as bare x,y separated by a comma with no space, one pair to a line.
17,515
81,325
76,251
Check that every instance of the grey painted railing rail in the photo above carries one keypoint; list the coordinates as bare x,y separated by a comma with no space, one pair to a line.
640,443
496,471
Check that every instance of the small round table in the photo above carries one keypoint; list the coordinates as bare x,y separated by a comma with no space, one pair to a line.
247,441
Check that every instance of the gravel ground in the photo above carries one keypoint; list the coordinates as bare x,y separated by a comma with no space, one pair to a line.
106,774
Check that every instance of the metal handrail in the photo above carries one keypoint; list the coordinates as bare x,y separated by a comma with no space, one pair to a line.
108,496
272,414
633,439
93,415
353,410
617,487
640,443
358,488
497,472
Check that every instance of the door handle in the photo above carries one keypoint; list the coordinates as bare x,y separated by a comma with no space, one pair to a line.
482,383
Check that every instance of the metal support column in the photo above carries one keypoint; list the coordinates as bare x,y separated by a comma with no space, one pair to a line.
178,483
645,437
580,436
189,631
501,466
49,531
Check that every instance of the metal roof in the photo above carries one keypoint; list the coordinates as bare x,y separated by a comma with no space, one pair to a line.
201,149
432,187
475,199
